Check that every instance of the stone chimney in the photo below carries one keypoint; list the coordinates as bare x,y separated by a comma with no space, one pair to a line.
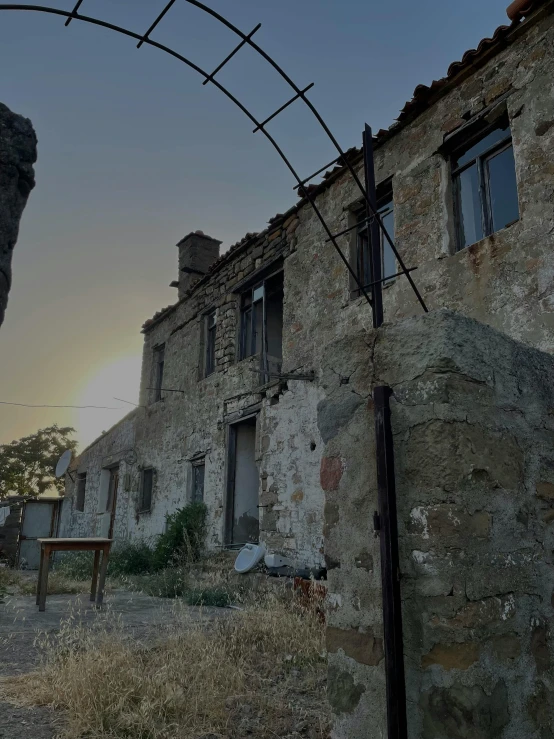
197,253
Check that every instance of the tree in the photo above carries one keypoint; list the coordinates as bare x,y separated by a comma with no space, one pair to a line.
27,465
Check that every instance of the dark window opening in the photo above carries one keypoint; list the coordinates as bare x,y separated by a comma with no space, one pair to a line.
147,483
159,358
210,344
198,475
385,208
261,326
485,186
81,488
112,490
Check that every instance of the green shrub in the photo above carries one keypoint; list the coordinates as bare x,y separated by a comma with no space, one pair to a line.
127,558
215,597
181,544
74,565
183,540
168,583
130,558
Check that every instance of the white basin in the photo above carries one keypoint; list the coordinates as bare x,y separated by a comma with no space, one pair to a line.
248,557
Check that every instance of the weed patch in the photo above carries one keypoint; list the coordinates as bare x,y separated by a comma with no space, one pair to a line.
16,582
259,672
183,540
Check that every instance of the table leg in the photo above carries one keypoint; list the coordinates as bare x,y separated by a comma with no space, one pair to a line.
102,578
44,578
94,575
41,565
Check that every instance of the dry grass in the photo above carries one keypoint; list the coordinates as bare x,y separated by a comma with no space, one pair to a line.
258,672
17,582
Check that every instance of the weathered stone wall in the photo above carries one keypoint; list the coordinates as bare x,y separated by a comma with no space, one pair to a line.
505,281
18,153
115,449
474,460
169,434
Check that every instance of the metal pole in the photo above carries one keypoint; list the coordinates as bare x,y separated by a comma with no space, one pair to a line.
397,727
373,233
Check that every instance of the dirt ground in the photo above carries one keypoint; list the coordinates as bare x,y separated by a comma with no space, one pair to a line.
21,623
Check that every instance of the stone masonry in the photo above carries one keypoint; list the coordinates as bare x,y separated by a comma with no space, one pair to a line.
505,281
18,153
473,433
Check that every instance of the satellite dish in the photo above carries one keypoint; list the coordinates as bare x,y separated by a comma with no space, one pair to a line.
63,463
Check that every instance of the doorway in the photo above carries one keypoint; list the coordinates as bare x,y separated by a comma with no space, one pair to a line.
107,502
243,522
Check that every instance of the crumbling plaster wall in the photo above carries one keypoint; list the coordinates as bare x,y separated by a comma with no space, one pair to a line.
185,425
505,280
18,153
474,461
112,450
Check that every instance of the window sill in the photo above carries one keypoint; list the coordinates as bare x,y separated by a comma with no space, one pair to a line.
488,238
146,510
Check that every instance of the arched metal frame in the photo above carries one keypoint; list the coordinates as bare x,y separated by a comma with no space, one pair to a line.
373,216
386,522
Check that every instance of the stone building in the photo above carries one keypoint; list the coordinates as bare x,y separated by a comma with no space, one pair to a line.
465,183
256,396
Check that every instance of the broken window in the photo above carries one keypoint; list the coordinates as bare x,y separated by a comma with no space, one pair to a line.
159,357
385,208
80,495
198,474
146,485
209,365
485,187
261,327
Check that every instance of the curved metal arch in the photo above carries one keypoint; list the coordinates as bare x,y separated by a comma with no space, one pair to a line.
246,39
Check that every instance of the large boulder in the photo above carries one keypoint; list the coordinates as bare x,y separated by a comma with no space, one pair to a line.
18,153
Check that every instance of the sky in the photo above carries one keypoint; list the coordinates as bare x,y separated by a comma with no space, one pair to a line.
134,153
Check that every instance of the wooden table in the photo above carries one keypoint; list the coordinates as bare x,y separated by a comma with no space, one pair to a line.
96,545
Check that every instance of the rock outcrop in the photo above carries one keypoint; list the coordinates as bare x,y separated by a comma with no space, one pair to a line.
18,153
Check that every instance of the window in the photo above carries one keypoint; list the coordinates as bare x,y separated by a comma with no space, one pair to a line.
210,344
159,356
261,326
385,208
485,187
146,485
81,487
198,474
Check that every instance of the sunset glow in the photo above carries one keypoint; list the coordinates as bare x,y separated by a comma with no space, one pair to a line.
119,378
